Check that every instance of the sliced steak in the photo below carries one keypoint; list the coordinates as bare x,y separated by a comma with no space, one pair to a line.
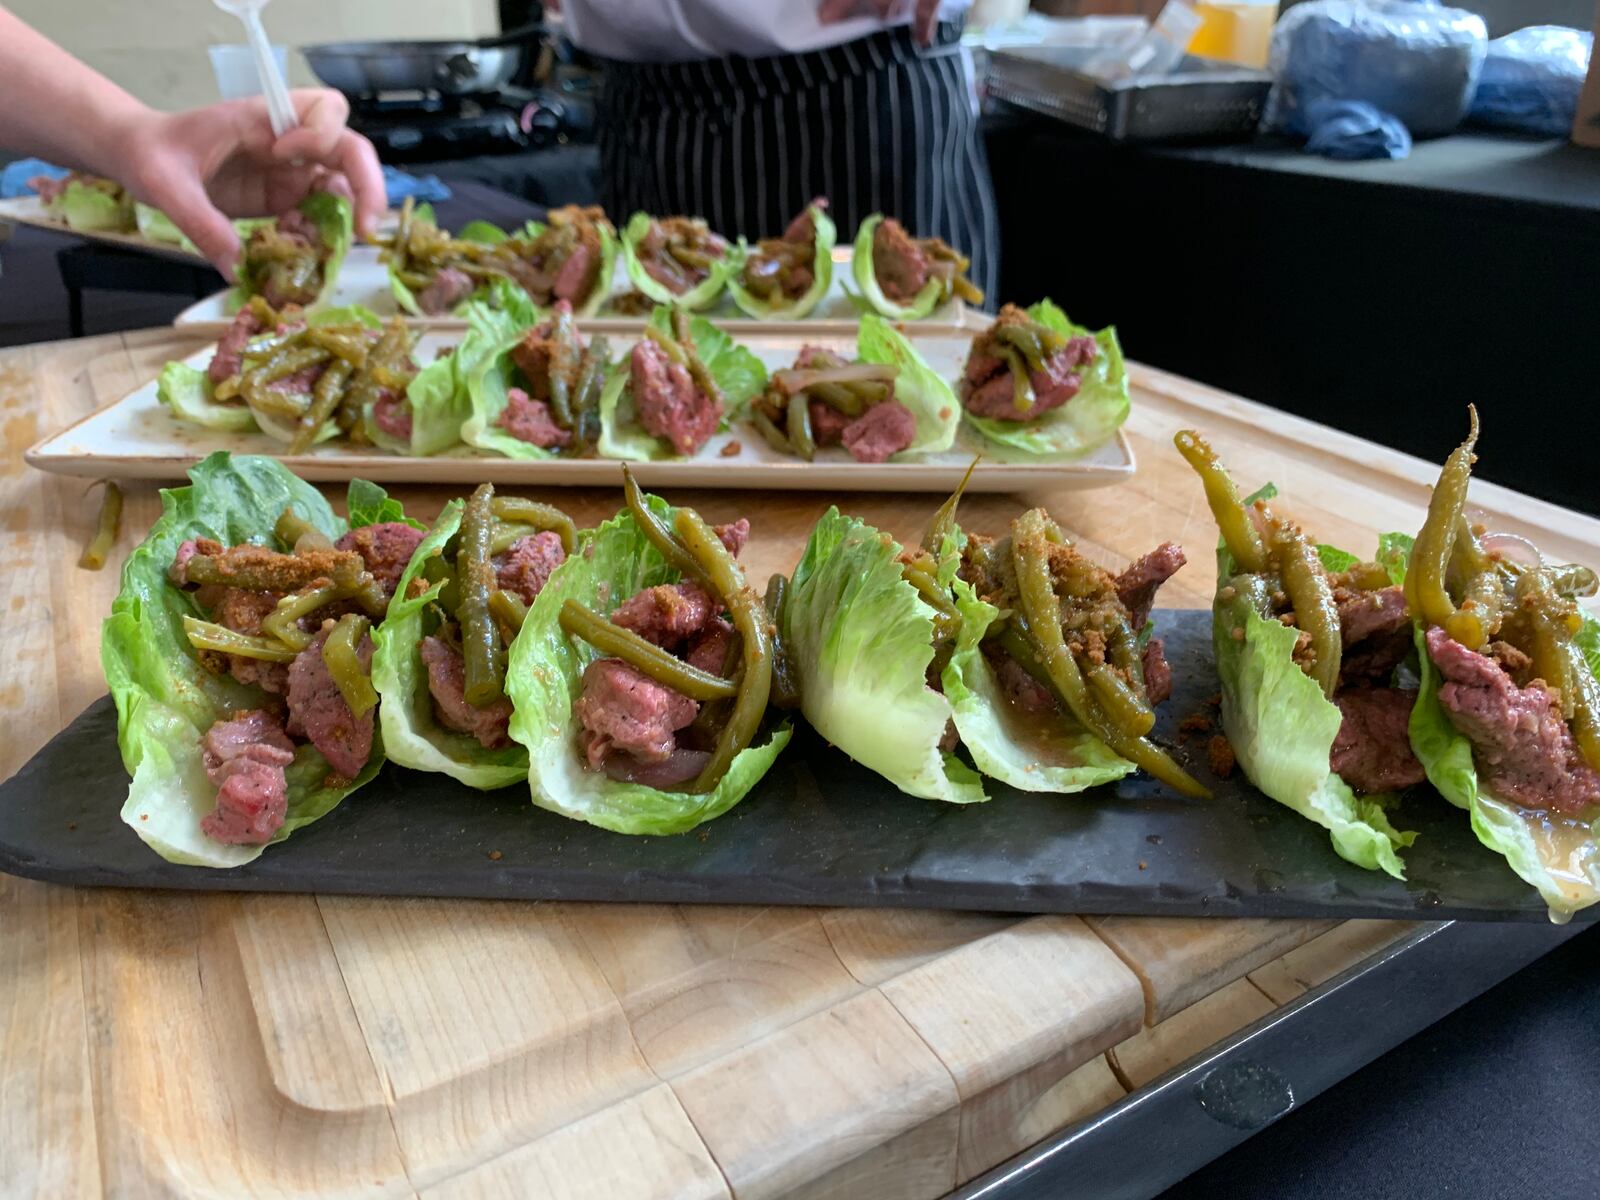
802,228
899,263
623,711
1021,688
229,355
1366,614
677,768
317,707
710,648
1052,387
827,423
447,686
669,614
733,535
882,431
525,568
385,548
577,276
243,612
448,288
1138,584
245,757
1520,743
1157,671
668,403
531,421
1372,751
391,412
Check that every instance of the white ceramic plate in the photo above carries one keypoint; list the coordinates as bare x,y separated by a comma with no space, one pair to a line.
30,210
364,280
138,438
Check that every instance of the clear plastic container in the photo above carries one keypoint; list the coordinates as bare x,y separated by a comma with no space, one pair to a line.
1157,52
1236,31
235,69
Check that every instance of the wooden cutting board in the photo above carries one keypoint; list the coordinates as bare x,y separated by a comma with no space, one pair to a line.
156,1044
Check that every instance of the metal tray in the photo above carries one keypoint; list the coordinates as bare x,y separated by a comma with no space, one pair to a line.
1200,101
1203,1108
817,830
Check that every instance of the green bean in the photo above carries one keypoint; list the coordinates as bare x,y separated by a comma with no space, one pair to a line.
799,426
775,437
1312,597
943,523
341,655
1366,577
1014,641
207,635
588,367
264,345
437,570
750,621
509,610
540,516
869,393
785,688
1126,708
1234,522
1024,340
659,535
350,346
325,395
616,642
695,260
1426,591
291,529
1467,558
1585,719
1122,647
671,348
561,366
290,360
1022,397
105,529
840,397
1483,604
1551,622
946,616
258,569
482,651
283,622
698,371
1042,611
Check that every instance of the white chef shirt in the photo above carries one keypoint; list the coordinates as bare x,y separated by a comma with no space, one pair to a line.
686,30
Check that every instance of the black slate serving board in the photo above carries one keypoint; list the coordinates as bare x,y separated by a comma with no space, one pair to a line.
818,830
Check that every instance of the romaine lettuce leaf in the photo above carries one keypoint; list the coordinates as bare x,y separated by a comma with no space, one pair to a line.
861,267
702,296
1036,756
920,388
91,209
165,699
544,679
861,640
822,276
368,504
440,406
1082,424
1560,860
187,392
737,371
411,736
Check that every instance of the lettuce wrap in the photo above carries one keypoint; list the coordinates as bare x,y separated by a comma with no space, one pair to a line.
866,276
737,372
92,205
919,387
784,309
334,219
702,296
544,679
1085,422
411,735
166,700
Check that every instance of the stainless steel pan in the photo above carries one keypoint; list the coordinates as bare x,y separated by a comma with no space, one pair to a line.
453,68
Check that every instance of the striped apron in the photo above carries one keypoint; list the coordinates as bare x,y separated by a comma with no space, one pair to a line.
875,125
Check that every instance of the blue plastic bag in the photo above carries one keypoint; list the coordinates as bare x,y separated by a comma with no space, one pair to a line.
1418,62
1531,80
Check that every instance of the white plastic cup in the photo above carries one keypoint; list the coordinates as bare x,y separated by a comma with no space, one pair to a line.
235,69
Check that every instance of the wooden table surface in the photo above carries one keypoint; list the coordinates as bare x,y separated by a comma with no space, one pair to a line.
166,1044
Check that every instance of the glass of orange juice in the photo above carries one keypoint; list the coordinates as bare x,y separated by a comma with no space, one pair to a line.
1237,31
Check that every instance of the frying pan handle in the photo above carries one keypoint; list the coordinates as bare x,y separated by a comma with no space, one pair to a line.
514,37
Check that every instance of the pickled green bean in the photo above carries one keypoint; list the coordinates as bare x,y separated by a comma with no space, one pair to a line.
1585,719
341,655
946,616
350,346
291,529
838,396
750,621
698,371
510,610
943,522
482,651
1234,522
785,687
798,420
258,569
1551,622
1426,591
207,635
540,516
562,367
325,397
1312,598
1126,708
775,437
1022,397
283,622
658,534
105,530
616,642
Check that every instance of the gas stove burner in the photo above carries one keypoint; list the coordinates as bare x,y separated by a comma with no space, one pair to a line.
424,126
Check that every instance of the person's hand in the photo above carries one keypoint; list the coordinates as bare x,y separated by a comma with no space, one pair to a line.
924,13
208,165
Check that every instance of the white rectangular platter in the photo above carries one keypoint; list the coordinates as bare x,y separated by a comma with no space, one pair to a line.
30,210
364,280
137,438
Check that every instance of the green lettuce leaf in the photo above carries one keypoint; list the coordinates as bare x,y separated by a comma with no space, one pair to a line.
187,392
483,366
702,296
1394,554
440,406
737,371
156,226
1082,424
165,699
822,267
861,267
91,209
368,504
544,678
486,232
346,314
411,736
861,640
1561,861
1335,560
919,387
335,221
1036,756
